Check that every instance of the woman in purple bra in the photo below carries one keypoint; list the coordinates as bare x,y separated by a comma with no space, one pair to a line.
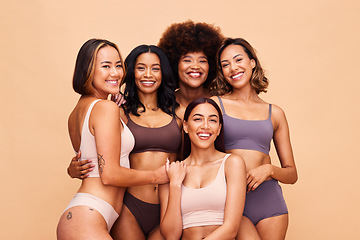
149,113
206,193
191,48
249,126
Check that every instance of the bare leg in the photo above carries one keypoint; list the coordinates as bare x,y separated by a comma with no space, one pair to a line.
273,228
247,230
155,235
126,227
82,222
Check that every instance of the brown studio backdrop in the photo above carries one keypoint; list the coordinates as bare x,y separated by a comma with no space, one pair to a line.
309,49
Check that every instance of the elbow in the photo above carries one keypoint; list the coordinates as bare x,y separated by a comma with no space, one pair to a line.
168,234
233,232
294,178
106,180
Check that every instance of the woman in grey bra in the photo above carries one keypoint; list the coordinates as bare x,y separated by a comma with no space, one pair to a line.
249,126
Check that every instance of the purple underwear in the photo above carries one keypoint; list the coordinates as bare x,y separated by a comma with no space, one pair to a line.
265,202
147,214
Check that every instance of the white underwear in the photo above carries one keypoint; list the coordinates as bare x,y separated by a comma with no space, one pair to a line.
104,208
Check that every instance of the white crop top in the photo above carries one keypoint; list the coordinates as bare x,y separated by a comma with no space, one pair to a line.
88,145
205,206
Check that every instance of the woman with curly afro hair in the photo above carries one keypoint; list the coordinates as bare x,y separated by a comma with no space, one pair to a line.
191,48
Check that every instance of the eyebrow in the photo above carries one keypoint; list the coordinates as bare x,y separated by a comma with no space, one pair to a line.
237,55
185,56
200,115
155,64
108,62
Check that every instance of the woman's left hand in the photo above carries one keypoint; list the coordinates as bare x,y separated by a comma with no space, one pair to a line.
257,176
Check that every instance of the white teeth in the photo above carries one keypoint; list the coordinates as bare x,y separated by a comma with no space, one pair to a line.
204,135
194,75
147,82
112,82
237,75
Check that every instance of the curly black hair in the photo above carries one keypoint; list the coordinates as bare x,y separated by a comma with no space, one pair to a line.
187,37
165,93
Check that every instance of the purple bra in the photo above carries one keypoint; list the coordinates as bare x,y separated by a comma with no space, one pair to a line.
162,139
247,134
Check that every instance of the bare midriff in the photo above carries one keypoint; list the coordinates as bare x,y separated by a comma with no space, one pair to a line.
252,158
150,160
198,232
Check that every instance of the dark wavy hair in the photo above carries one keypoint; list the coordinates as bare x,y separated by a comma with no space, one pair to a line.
219,141
165,93
85,64
186,37
258,79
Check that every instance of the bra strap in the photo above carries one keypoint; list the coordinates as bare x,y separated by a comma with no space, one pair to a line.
221,105
270,108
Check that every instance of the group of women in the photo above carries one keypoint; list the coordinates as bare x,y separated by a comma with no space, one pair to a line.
186,155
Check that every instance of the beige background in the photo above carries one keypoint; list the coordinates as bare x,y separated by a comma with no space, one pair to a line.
310,49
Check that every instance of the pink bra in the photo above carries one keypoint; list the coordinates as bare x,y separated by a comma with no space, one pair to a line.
88,145
205,206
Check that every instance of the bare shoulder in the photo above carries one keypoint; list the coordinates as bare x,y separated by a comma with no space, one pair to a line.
235,161
278,113
105,109
106,105
180,111
216,99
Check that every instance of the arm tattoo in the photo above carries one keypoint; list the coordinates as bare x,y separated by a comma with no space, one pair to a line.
69,216
101,162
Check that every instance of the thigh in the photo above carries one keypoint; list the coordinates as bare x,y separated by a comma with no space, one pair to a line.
126,227
155,235
82,222
247,230
273,228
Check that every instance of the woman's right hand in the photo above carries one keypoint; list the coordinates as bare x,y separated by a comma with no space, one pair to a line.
118,98
176,172
79,169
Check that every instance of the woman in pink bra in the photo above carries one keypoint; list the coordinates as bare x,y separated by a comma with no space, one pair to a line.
149,113
191,49
95,128
206,193
249,126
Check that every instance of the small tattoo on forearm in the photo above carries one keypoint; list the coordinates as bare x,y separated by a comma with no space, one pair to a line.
69,216
101,162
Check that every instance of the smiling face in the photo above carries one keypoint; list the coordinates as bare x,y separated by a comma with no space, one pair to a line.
193,69
203,125
147,72
108,72
236,66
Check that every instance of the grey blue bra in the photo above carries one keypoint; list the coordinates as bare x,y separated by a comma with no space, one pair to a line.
247,134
